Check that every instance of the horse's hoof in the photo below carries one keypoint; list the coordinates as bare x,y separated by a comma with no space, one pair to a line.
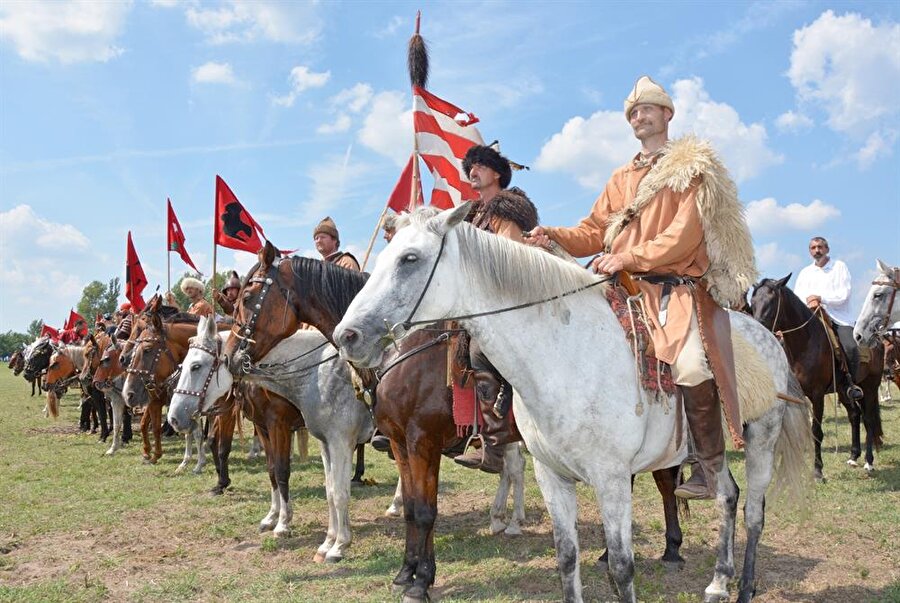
497,527
217,491
319,557
179,469
281,532
672,566
513,530
415,594
333,558
266,527
392,512
197,470
715,597
870,469
852,463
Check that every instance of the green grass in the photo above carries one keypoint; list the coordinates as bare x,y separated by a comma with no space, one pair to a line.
78,526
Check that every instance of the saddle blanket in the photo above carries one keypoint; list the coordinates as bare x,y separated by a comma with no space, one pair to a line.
653,373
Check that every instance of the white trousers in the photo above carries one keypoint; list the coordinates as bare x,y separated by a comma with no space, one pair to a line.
691,368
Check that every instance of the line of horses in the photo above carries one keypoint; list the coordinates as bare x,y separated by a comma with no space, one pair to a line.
579,423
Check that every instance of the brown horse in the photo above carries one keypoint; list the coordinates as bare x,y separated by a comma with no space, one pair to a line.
94,350
810,354
892,356
414,405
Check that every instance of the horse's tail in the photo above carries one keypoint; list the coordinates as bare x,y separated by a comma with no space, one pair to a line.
794,448
53,404
878,436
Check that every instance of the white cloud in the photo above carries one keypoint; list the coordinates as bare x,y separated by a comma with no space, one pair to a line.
165,3
21,224
849,68
789,121
391,28
214,73
387,129
774,261
70,32
353,99
590,149
341,124
877,145
502,94
766,215
335,181
301,79
251,20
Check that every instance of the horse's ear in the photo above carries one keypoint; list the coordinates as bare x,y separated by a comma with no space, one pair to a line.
113,340
884,268
783,281
267,255
447,219
156,321
94,341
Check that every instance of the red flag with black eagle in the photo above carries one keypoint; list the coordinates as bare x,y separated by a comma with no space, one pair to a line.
135,280
176,237
235,227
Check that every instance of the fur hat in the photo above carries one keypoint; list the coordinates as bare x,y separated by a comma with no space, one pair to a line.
327,226
489,158
233,282
647,91
389,222
189,282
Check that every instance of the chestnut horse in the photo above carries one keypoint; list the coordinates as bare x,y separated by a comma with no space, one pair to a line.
121,415
811,358
66,363
414,403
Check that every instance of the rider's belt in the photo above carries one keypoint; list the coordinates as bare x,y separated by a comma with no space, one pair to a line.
668,282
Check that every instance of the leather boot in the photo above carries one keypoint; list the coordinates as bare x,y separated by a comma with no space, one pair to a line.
704,415
495,432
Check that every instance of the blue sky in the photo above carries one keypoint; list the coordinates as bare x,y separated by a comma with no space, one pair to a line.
106,109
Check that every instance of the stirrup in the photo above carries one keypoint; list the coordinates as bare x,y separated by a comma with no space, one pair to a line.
855,393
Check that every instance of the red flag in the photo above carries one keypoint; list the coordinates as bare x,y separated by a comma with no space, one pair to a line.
444,133
176,238
400,199
235,227
135,281
74,319
48,330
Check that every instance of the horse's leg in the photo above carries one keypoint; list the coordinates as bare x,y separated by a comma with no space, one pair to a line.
854,417
255,446
405,576
330,533
498,508
512,477
424,470
339,499
726,501
145,433
397,503
223,436
303,444
760,438
871,419
156,410
360,464
271,519
280,449
100,405
127,431
188,445
559,496
665,483
818,405
117,415
201,449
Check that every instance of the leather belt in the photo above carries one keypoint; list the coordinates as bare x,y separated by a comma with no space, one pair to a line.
668,282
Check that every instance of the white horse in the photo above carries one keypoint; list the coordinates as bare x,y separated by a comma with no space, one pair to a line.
307,372
881,308
572,369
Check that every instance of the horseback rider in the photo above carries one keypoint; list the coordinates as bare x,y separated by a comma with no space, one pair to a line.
227,297
509,213
671,217
328,241
389,224
826,283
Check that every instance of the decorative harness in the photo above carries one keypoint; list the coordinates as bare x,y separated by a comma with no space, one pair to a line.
882,327
148,376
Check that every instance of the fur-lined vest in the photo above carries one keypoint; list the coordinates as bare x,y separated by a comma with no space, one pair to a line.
680,215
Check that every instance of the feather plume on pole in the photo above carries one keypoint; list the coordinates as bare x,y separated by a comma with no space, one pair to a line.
417,57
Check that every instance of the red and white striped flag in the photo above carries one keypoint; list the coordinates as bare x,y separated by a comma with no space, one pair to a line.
444,133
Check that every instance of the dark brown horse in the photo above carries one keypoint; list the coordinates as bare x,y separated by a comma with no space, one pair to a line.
414,405
94,350
811,357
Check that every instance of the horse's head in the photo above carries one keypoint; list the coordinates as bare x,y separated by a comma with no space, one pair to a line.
880,308
109,366
767,301
265,312
17,362
410,282
203,380
38,359
91,356
59,368
152,361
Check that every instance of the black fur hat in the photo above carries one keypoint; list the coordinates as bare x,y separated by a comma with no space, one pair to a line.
490,158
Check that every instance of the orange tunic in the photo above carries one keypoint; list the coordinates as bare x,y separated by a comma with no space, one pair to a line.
201,308
666,238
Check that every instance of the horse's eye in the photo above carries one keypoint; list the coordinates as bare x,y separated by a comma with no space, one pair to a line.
876,295
409,258
195,366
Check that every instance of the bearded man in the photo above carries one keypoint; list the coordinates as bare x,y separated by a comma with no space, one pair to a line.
227,297
508,213
671,217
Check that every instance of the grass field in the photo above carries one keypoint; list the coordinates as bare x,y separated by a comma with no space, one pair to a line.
78,526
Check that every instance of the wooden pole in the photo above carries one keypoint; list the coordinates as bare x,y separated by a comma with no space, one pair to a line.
374,234
212,290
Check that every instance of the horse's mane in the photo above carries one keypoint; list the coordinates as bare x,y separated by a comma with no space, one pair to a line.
336,285
180,318
505,264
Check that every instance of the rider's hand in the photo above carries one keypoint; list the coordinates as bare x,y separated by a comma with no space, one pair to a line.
608,263
537,237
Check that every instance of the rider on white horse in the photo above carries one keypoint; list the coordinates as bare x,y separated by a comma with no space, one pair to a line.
509,213
671,217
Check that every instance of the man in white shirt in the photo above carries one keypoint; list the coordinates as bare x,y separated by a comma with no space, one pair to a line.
826,282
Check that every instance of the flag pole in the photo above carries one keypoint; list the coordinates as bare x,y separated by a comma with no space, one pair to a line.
374,234
212,290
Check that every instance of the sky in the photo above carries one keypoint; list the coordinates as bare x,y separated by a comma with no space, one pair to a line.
109,108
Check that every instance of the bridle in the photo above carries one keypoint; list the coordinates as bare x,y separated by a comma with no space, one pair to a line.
894,284
148,376
401,329
213,369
